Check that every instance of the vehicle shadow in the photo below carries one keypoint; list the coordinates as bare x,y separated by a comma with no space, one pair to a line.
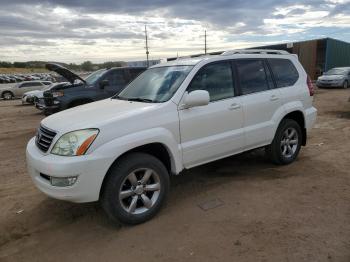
50,213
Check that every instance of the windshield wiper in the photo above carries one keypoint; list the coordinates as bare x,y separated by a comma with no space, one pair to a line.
139,99
136,99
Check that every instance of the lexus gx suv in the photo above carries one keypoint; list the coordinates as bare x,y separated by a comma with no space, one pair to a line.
122,150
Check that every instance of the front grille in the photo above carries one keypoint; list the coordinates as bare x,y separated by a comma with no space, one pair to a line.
48,98
44,138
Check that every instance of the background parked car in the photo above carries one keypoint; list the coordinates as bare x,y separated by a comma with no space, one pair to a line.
9,92
336,77
99,85
33,97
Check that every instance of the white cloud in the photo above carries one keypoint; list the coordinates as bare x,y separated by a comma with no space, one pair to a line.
72,33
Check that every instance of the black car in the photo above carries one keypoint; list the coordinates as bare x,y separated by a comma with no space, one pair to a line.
99,85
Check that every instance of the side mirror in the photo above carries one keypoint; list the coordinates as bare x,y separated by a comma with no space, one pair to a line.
104,83
196,98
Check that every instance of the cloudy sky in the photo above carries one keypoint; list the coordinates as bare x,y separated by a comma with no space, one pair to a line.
109,30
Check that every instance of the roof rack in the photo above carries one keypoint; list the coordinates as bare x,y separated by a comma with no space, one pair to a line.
196,55
256,51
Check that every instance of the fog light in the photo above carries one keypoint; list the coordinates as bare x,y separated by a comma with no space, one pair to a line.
63,181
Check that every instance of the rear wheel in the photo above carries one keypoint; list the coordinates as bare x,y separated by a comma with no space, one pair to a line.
286,144
7,95
135,189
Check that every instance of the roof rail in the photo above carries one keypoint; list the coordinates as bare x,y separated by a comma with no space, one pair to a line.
197,55
256,51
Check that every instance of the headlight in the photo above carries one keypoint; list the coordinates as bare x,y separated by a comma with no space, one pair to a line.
57,94
74,143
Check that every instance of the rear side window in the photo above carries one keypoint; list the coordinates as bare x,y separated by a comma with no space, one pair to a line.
116,79
36,84
216,79
30,85
284,72
252,76
134,72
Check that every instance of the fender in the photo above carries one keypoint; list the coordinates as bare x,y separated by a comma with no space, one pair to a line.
285,110
117,147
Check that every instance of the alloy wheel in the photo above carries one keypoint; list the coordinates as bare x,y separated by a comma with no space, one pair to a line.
7,96
140,191
289,142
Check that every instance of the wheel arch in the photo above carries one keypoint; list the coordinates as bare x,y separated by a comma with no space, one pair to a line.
156,149
298,116
6,91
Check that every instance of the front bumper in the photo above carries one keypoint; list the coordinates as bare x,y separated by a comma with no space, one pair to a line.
90,169
42,106
28,99
329,84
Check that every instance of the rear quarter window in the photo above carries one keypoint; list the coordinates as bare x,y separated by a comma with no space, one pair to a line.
284,72
135,72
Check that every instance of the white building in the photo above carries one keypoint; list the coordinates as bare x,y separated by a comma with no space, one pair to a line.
142,63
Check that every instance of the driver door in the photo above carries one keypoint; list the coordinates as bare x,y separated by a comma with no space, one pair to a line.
216,130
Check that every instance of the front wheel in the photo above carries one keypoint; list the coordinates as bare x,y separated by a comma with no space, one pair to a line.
7,95
135,189
286,144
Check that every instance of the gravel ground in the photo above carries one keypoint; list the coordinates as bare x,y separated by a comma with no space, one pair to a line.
240,208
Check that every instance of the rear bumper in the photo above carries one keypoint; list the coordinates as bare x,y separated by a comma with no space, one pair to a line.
310,117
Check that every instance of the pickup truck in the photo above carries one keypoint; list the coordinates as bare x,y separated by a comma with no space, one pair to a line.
99,85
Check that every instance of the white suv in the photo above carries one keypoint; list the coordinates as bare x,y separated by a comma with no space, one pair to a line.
172,117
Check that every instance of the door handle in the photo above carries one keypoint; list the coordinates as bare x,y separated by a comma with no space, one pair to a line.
274,98
234,106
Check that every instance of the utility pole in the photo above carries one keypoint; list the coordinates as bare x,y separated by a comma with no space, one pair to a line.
147,52
205,42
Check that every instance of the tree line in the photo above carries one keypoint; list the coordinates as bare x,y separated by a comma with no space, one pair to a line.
85,66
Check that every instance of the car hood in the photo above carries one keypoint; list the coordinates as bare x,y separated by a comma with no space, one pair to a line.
32,93
331,77
95,115
66,73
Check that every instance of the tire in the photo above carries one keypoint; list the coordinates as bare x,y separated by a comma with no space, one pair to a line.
286,144
47,112
345,84
7,95
136,204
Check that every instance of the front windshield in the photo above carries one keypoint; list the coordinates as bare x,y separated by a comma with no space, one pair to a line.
156,84
90,79
336,71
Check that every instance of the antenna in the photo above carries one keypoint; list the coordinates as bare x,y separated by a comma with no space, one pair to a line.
205,42
147,52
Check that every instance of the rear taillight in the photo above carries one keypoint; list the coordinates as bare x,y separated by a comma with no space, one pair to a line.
310,86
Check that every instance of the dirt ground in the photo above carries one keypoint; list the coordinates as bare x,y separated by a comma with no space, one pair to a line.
299,212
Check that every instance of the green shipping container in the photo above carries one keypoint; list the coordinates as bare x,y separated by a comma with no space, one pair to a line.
337,54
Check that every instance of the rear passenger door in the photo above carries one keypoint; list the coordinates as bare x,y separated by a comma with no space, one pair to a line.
134,72
117,80
260,101
215,130
36,86
286,77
